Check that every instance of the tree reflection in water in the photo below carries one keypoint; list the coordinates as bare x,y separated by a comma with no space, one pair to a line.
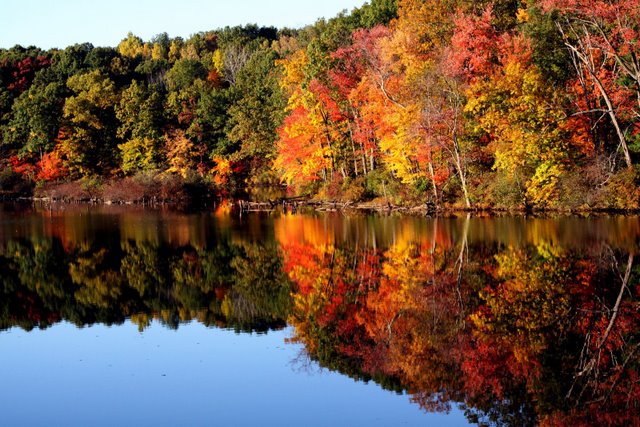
520,322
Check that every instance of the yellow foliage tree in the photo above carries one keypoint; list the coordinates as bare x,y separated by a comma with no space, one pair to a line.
523,116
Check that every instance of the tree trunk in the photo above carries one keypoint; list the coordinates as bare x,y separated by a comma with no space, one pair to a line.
433,183
458,162
581,51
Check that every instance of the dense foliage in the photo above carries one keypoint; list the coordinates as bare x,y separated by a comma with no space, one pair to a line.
505,103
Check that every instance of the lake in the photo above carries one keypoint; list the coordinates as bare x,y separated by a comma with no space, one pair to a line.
125,316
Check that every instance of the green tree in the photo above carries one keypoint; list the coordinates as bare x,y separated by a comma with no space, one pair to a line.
36,118
89,147
375,12
140,116
256,112
184,73
207,128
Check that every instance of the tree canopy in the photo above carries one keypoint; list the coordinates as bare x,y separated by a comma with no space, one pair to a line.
461,103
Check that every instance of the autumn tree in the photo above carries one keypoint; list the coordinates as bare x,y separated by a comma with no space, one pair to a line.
18,69
524,116
602,38
181,153
308,136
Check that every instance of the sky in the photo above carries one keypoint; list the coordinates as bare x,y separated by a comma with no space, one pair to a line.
60,23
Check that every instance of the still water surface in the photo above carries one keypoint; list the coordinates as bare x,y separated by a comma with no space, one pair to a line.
127,316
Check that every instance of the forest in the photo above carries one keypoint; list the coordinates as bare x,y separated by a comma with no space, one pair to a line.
460,104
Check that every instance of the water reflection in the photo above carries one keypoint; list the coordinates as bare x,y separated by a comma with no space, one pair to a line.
107,266
524,321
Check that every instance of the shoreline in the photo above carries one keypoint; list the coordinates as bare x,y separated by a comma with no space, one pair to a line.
301,204
422,209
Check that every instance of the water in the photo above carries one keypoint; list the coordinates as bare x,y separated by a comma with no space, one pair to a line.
128,316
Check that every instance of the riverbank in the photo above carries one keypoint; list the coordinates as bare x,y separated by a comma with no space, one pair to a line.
173,190
301,205
298,204
149,190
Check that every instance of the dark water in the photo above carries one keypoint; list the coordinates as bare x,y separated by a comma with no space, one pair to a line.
126,316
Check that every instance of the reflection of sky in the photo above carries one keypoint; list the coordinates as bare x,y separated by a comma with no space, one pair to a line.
116,376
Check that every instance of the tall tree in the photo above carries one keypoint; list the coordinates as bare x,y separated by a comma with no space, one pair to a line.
139,113
89,141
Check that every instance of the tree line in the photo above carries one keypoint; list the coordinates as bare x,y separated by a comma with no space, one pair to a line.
503,104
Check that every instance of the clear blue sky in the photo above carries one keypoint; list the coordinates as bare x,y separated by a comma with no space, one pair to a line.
59,23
